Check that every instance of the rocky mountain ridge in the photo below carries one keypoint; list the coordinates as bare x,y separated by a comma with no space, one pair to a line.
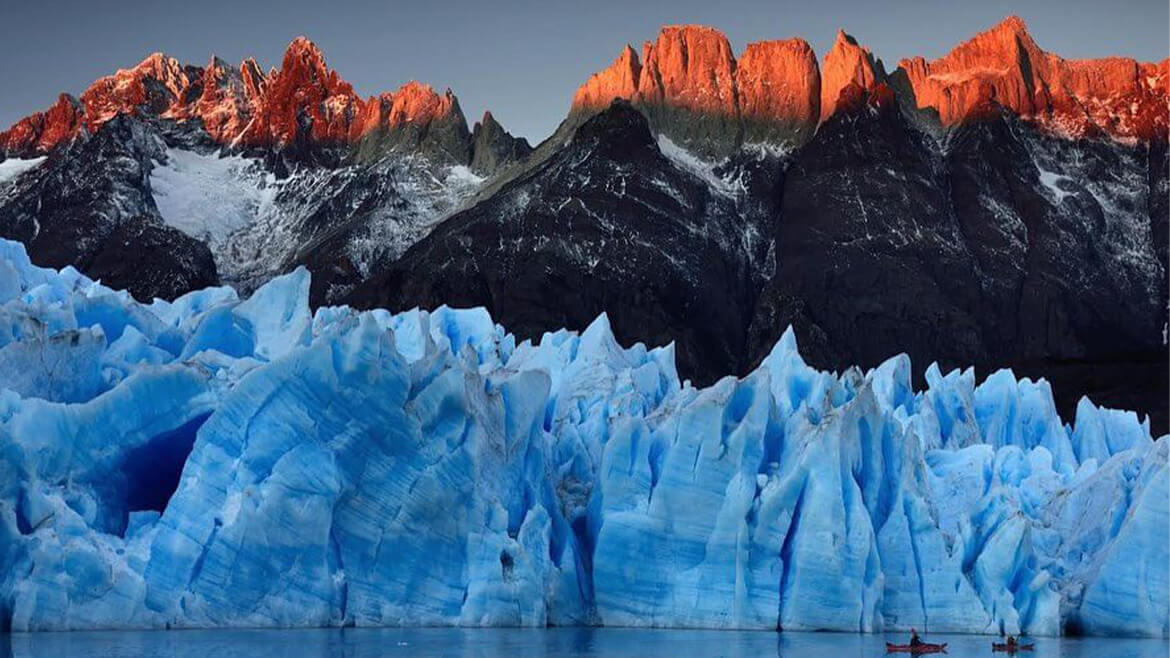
1117,96
304,101
774,91
262,168
779,83
1001,238
999,206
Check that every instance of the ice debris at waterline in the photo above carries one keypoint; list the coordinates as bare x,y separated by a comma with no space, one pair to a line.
217,462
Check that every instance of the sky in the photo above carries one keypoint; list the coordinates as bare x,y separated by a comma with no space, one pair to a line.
521,59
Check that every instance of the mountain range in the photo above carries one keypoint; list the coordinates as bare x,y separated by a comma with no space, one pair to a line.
999,206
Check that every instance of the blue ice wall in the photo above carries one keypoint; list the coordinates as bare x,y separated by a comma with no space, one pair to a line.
218,462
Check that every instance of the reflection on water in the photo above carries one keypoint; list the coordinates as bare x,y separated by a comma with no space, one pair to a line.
521,643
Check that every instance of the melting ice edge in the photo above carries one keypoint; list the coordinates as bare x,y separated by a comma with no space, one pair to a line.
216,462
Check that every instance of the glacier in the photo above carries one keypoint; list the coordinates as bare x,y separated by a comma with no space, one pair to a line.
213,462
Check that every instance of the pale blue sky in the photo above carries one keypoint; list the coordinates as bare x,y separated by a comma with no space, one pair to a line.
522,60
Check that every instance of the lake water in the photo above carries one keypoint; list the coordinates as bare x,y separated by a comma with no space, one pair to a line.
522,643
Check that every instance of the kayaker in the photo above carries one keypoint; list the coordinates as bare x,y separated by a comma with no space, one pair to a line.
1012,644
915,642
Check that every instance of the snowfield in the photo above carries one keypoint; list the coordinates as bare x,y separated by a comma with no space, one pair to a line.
211,196
255,223
222,462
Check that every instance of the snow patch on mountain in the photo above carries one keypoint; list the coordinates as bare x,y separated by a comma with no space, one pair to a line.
462,176
707,171
426,195
211,196
1102,192
1052,181
13,167
257,224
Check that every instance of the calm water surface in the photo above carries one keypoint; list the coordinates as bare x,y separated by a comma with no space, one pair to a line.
521,643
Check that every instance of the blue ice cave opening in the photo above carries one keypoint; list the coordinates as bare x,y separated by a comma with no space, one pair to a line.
152,470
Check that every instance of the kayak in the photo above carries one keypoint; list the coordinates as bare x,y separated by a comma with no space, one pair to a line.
922,648
1003,647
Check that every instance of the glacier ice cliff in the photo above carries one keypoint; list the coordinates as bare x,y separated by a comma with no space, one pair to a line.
222,462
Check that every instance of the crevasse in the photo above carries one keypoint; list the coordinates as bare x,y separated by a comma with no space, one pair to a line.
217,462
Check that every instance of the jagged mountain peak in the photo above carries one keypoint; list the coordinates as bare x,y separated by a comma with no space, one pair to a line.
414,104
159,64
619,80
998,43
42,131
303,102
693,67
844,37
303,44
687,80
126,91
302,54
688,75
628,54
694,89
620,126
1075,98
219,68
847,64
253,76
304,63
419,94
1011,24
492,147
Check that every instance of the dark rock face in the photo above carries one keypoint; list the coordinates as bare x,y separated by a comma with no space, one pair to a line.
1158,197
1066,250
355,215
607,224
1004,248
91,207
866,241
152,261
1001,247
492,147
416,121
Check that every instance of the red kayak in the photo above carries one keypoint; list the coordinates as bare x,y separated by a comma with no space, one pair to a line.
1019,647
922,648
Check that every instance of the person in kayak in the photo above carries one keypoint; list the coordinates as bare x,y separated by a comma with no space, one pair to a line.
1012,644
916,646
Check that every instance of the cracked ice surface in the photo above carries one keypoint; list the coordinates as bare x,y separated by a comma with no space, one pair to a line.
218,462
